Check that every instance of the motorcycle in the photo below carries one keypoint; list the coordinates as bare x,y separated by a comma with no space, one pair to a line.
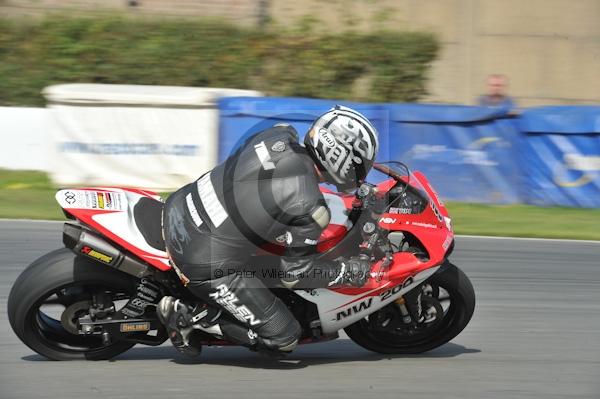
96,297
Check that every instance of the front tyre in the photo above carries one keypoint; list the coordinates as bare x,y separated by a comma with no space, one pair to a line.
448,302
52,293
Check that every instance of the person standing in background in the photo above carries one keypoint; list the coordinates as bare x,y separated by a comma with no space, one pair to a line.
496,93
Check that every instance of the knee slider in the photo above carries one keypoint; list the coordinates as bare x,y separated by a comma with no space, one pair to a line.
282,331
278,347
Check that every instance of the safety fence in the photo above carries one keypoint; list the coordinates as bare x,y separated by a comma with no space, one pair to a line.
163,137
156,137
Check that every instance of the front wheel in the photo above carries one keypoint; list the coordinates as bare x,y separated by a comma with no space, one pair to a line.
448,303
52,293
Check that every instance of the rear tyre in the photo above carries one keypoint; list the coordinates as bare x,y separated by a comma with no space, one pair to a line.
58,280
449,297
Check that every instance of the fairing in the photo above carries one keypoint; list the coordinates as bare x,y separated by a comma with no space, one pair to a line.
110,212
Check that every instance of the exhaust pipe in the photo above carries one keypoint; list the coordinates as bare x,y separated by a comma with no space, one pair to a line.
85,243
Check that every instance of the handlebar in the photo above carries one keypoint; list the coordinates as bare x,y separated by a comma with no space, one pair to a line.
368,200
386,170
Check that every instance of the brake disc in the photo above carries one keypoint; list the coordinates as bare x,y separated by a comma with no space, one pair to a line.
432,310
70,317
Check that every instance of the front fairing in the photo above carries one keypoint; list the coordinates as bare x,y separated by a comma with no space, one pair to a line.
430,225
428,222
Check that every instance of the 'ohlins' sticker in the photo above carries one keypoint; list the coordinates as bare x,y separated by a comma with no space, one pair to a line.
135,327
228,300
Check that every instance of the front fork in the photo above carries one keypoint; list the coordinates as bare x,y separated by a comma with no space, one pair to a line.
411,307
414,305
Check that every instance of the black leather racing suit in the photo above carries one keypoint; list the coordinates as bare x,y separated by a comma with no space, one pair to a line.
265,192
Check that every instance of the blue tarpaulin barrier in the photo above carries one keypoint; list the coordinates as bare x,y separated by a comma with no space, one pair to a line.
560,153
244,116
546,156
468,153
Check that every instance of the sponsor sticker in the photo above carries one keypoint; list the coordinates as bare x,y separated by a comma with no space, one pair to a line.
436,211
100,197
447,242
354,309
326,138
278,146
282,238
400,211
94,199
192,209
210,201
227,299
70,197
135,327
92,253
91,199
263,156
426,225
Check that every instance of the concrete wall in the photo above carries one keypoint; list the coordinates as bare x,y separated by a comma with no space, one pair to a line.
550,49
239,11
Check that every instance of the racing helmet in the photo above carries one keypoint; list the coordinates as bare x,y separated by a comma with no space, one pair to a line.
343,144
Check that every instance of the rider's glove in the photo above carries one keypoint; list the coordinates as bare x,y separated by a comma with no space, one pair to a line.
354,271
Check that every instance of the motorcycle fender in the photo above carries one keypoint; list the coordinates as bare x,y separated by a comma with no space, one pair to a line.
337,311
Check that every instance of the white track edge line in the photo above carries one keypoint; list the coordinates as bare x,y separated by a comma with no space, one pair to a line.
32,220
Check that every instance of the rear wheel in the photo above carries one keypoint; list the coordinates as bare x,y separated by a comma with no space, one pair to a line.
50,296
447,302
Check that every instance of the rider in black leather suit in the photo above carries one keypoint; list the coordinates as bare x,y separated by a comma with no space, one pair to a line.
265,192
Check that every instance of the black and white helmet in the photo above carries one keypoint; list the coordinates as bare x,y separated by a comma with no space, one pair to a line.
343,144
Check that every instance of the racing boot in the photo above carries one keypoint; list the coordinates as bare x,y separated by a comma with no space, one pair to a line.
179,320
233,331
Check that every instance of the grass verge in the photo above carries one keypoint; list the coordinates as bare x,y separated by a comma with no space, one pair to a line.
525,221
30,195
27,195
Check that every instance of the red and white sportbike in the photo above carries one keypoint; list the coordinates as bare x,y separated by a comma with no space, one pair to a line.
97,297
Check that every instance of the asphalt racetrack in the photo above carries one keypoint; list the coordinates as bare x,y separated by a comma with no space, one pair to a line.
535,334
